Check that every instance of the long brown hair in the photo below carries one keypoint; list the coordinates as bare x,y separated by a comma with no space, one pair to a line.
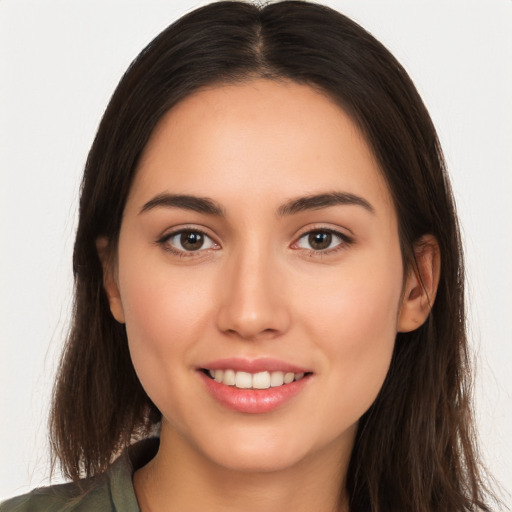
415,446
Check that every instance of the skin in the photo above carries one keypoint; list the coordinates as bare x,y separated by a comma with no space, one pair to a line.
257,288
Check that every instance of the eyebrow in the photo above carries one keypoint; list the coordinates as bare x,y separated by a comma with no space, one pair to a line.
325,200
185,202
300,204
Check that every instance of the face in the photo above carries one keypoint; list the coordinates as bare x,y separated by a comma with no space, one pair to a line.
259,275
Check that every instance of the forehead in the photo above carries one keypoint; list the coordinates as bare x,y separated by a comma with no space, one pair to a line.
258,139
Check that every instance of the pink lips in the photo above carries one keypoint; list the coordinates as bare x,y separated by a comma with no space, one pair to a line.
254,365
253,401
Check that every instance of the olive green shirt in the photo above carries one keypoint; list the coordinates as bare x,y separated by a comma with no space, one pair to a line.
111,491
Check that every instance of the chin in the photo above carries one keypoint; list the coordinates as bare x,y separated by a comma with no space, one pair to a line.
255,459
251,451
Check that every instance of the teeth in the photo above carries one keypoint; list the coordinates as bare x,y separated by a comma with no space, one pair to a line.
276,379
260,380
229,378
243,380
288,377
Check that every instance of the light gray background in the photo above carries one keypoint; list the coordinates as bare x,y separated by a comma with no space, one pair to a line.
59,63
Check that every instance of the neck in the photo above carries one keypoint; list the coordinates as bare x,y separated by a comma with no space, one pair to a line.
181,478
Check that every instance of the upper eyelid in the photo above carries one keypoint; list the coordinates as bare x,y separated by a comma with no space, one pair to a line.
345,240
171,232
331,231
337,230
164,242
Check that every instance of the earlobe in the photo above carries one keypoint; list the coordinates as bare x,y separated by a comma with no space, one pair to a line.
110,284
420,285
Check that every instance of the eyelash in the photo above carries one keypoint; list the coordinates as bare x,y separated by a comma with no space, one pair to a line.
163,241
345,241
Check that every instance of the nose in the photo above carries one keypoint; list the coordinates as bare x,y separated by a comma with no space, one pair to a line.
253,301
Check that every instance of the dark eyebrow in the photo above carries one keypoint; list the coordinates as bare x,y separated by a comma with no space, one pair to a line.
185,202
318,201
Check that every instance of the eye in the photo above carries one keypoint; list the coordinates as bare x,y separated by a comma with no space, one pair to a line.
187,240
322,240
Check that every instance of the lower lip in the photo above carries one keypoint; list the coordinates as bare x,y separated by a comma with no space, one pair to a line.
253,401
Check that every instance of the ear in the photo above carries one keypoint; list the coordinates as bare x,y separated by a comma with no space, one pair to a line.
420,285
110,279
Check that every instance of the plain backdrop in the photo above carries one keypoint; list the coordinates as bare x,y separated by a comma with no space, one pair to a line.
60,62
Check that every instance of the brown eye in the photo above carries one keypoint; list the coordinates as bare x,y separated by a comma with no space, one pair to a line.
187,241
322,241
191,240
319,240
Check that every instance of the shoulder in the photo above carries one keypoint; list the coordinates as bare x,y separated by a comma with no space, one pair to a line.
111,491
61,498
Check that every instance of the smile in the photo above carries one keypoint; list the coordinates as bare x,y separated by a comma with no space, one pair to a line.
259,380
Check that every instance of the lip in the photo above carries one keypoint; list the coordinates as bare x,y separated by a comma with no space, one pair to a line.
253,401
261,364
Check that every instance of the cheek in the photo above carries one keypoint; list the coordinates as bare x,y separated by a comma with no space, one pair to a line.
159,300
165,315
354,324
149,311
360,299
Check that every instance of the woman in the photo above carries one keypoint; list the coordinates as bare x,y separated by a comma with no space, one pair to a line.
268,269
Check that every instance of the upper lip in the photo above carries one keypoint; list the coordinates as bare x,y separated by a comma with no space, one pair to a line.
262,364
